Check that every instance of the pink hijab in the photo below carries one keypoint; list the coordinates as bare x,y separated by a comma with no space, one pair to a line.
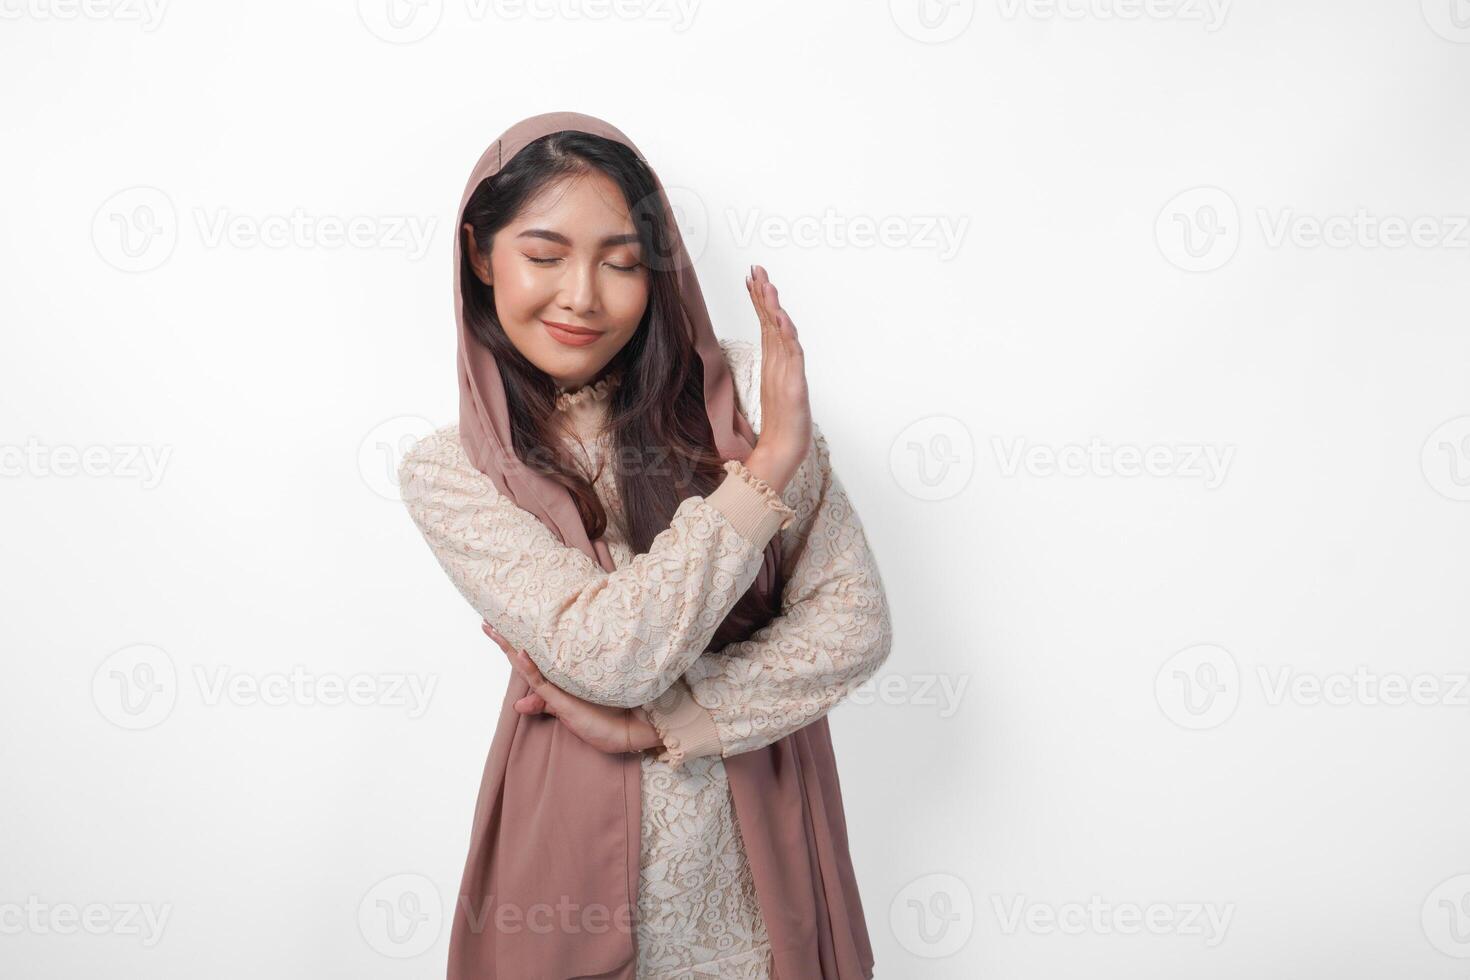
550,887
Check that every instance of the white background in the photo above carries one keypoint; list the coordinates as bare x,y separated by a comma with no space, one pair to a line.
1102,686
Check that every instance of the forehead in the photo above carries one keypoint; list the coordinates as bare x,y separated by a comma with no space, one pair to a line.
589,201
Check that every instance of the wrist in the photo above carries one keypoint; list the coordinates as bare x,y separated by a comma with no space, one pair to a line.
770,466
641,733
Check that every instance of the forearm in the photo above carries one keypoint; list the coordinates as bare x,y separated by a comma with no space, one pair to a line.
834,632
615,638
676,608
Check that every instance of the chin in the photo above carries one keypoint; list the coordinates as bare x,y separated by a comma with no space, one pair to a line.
569,367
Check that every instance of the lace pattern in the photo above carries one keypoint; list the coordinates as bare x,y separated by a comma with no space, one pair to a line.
627,637
568,399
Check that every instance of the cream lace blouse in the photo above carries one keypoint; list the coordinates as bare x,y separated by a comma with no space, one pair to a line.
637,636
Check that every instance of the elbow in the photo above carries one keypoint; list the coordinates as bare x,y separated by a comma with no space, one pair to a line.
878,652
610,690
883,617
882,643
636,694
630,696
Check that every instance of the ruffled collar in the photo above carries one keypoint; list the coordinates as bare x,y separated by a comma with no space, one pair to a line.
568,399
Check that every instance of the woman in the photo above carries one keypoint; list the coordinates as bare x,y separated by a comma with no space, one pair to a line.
684,592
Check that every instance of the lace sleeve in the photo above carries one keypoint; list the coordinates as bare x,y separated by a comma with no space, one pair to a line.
834,632
618,638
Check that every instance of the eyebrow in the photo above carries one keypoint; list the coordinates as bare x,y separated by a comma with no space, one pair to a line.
555,236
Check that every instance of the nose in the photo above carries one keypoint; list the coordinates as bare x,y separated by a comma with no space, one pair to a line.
578,293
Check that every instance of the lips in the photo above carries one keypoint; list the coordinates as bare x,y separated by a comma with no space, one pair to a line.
569,335
568,328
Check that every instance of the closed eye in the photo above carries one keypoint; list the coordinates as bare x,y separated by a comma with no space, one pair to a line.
620,268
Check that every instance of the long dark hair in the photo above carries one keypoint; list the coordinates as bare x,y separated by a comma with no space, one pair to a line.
662,445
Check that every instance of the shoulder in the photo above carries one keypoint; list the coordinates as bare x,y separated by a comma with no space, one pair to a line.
440,446
437,462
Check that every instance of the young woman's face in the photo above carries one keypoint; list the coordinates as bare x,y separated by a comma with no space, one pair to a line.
571,259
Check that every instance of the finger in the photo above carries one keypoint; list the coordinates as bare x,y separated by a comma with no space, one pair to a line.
518,661
531,704
758,302
760,286
770,299
490,632
515,665
529,668
773,310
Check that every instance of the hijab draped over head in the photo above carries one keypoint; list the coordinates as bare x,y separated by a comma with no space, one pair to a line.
558,822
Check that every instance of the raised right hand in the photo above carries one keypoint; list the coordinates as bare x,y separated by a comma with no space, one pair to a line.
786,413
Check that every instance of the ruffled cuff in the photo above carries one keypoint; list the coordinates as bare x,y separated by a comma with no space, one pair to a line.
686,729
750,503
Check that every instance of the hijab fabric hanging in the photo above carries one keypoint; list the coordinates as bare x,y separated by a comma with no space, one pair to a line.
557,823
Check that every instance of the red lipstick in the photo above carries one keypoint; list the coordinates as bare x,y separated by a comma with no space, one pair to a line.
570,335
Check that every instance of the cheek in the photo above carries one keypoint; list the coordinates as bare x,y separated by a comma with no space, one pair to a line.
626,302
517,290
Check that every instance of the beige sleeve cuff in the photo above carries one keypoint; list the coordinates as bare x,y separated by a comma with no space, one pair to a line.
687,730
750,503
